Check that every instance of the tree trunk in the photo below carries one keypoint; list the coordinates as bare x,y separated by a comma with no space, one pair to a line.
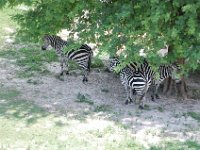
176,89
172,88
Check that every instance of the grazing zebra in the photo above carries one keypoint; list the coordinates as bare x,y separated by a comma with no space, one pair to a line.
58,44
138,79
82,56
135,79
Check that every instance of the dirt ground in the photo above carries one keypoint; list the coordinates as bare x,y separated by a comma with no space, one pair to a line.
164,119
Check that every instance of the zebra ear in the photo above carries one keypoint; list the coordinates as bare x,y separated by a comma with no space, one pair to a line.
114,57
145,61
176,66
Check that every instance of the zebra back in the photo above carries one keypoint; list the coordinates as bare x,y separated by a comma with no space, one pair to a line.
146,71
82,56
55,41
89,49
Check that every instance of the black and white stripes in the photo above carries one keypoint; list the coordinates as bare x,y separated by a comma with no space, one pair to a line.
82,56
138,78
165,71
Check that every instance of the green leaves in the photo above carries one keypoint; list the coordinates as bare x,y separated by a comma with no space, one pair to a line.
122,27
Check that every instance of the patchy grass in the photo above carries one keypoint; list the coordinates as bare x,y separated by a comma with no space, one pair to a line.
160,109
177,145
8,26
24,125
102,108
31,60
97,63
194,115
34,81
146,107
8,94
105,90
84,99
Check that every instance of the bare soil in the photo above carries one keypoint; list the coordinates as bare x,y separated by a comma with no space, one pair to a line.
161,120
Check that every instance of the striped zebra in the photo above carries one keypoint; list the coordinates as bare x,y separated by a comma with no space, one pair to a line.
165,71
82,56
136,80
58,44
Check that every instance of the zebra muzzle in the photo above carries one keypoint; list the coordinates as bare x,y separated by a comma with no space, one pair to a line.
43,48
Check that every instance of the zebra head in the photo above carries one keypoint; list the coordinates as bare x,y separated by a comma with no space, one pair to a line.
114,62
176,72
46,40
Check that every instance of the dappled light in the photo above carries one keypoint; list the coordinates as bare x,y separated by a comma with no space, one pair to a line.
40,108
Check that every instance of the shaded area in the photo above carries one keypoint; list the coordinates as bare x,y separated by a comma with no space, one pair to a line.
12,107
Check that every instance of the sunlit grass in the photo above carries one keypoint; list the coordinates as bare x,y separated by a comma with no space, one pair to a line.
8,26
30,60
24,125
177,145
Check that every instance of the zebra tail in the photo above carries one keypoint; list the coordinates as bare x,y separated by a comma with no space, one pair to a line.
89,62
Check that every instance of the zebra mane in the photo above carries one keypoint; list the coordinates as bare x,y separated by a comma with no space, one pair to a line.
86,47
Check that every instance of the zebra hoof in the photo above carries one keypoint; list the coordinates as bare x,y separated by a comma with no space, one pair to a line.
130,101
85,80
152,98
141,107
67,72
157,97
126,102
61,74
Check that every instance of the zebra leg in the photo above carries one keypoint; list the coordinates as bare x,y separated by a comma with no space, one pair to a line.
132,92
85,74
62,70
62,61
155,92
142,98
67,67
141,101
128,99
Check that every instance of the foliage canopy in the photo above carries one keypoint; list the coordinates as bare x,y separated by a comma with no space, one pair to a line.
117,24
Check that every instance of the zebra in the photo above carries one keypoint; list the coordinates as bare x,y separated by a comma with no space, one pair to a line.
82,56
136,80
141,77
58,44
165,71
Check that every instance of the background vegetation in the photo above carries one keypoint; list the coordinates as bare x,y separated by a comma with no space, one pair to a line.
26,125
119,24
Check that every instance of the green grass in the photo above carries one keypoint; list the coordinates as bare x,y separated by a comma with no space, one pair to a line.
25,125
6,22
31,60
84,99
102,108
97,63
194,115
160,109
177,145
8,94
34,82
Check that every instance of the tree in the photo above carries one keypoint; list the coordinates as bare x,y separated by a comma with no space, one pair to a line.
116,24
